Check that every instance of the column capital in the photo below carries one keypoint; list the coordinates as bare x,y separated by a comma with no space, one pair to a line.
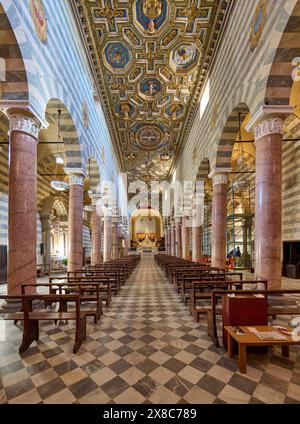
268,120
178,219
219,175
23,121
76,176
95,197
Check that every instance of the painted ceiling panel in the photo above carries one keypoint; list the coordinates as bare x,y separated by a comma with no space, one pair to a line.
151,58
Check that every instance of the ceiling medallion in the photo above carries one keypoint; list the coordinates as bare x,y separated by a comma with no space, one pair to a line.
184,57
150,87
39,18
258,24
149,137
117,55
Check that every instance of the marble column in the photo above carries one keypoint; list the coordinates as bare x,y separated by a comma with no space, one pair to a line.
178,239
46,236
219,217
172,239
75,224
166,240
185,238
197,230
96,230
267,125
126,243
22,215
107,236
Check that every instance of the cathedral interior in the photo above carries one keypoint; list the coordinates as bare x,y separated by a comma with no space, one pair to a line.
149,191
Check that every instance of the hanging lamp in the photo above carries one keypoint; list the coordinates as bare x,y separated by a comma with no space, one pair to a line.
58,185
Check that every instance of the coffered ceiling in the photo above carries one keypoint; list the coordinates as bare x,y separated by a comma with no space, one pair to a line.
150,58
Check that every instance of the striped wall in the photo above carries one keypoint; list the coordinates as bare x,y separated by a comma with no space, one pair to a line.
14,85
241,81
59,69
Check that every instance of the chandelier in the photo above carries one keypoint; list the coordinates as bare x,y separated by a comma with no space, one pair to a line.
56,184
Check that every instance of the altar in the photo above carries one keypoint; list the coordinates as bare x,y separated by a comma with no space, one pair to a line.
146,231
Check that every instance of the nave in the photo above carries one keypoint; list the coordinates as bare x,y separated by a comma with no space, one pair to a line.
145,349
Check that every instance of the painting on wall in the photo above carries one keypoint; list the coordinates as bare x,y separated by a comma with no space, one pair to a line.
39,18
258,24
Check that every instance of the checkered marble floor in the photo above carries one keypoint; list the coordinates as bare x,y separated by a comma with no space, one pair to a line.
146,349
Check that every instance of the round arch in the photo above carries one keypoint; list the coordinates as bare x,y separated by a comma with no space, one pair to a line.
228,136
69,141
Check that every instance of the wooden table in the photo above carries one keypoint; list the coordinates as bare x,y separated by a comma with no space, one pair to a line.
251,339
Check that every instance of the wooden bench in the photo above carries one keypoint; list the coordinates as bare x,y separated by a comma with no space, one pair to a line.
89,292
202,291
103,282
114,277
31,318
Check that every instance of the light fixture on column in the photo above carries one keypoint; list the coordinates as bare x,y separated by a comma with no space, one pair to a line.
58,185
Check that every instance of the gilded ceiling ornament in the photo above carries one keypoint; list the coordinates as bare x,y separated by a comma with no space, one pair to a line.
145,73
170,37
110,15
194,14
132,37
152,9
175,110
39,18
258,24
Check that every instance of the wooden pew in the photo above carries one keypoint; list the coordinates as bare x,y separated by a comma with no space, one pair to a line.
201,291
32,317
103,282
188,280
89,292
114,277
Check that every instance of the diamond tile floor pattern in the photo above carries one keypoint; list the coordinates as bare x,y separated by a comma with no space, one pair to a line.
146,349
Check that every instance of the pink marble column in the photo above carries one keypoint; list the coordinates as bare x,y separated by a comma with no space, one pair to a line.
197,234
268,130
166,240
96,230
219,218
75,227
22,218
178,239
126,243
172,238
185,238
107,235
